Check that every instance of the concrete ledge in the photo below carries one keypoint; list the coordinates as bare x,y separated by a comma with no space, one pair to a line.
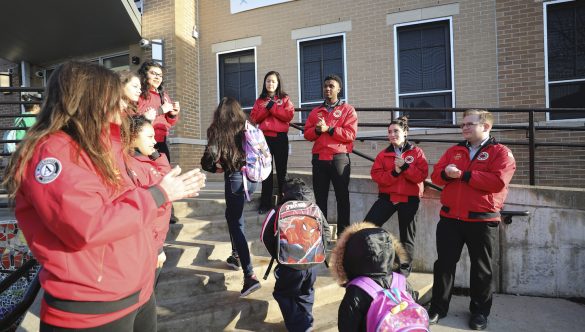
236,44
320,30
540,255
422,14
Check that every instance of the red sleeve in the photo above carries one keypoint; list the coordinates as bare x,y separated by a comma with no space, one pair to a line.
78,209
438,177
499,174
285,112
347,132
381,175
259,112
417,172
309,131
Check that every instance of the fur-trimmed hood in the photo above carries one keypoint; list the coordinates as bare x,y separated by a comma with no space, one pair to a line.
363,249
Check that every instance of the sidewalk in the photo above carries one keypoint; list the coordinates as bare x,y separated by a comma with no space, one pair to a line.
518,313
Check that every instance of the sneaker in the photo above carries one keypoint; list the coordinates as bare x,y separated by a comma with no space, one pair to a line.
233,262
251,284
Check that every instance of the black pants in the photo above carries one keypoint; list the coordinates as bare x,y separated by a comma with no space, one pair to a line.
479,238
295,295
337,172
142,319
383,209
279,149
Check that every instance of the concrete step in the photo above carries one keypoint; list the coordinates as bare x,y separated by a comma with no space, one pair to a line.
208,204
199,227
225,310
187,281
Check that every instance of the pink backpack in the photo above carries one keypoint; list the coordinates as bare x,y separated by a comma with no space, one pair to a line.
392,310
258,157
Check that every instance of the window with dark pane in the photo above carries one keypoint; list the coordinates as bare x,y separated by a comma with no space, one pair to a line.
566,57
424,70
237,77
319,58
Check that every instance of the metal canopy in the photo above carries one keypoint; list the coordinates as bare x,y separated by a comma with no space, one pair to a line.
41,31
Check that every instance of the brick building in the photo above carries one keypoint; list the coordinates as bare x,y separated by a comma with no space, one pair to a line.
399,53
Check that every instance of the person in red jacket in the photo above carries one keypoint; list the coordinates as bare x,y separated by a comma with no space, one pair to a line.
399,170
475,174
155,101
273,112
147,168
85,221
333,128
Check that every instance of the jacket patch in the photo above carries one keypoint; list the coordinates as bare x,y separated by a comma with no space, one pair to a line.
483,156
337,113
457,156
409,159
48,170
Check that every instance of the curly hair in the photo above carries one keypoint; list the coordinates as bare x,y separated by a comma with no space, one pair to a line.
143,74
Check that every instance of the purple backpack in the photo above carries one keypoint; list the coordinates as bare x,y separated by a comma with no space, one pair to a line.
392,310
258,157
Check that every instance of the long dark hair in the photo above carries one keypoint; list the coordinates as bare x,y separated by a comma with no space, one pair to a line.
80,99
125,77
225,133
142,72
279,89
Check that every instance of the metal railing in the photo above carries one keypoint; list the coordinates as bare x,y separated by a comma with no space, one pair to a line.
531,128
3,128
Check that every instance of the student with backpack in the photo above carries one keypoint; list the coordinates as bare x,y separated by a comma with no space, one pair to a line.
225,154
296,235
375,297
273,112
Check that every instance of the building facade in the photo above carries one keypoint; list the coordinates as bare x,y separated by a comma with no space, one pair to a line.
421,54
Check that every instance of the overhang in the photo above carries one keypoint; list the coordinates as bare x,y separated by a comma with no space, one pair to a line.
41,31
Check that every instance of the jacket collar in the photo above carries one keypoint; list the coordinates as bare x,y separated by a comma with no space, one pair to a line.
490,141
407,146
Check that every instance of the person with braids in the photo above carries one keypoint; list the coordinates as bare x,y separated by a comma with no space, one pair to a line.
85,221
225,154
399,170
273,112
157,106
147,168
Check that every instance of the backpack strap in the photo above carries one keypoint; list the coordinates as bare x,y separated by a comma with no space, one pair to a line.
268,268
367,285
398,281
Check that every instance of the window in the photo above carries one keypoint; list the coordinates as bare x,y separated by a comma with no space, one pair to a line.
116,63
319,58
237,77
139,4
423,65
565,38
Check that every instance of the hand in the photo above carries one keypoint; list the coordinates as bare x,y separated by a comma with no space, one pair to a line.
218,169
176,108
178,186
161,260
150,114
322,126
166,106
452,171
398,162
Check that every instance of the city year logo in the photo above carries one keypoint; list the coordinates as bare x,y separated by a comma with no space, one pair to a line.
48,170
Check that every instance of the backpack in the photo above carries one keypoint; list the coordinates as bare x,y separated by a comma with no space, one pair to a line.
258,157
293,235
393,309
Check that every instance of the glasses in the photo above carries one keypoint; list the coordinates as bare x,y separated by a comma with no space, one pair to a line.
155,74
468,124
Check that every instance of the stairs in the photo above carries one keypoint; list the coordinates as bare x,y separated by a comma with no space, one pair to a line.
197,291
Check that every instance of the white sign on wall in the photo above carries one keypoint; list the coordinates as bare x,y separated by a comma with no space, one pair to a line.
237,6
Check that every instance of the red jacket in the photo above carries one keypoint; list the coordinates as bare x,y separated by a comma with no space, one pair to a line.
146,173
277,119
93,244
482,189
163,122
343,120
409,182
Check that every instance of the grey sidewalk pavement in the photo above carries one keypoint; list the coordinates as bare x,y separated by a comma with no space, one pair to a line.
518,314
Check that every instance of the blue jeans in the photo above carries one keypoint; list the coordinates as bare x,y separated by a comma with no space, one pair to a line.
295,295
234,214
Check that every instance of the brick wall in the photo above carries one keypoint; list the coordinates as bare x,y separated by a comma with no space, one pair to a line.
173,22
